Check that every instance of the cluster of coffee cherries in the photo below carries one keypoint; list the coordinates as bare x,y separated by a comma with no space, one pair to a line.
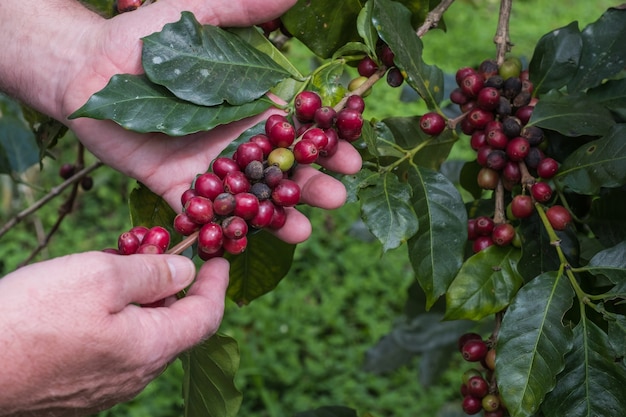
496,105
67,170
479,388
250,189
368,66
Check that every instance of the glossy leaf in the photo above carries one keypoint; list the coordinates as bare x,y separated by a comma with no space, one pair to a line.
532,343
555,59
592,383
611,95
208,386
260,268
136,104
148,209
207,65
393,23
18,148
366,29
436,250
611,257
617,336
571,115
387,211
603,53
598,164
485,285
607,217
327,81
323,25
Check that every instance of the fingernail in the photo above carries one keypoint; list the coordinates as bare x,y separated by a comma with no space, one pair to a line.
182,269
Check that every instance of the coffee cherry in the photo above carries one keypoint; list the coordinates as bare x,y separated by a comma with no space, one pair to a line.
477,387
282,134
317,136
490,402
512,172
261,191
512,126
235,246
324,117
124,6
264,215
282,158
511,67
270,26
199,209
272,175
559,217
305,152
488,68
150,249
471,231
432,123
234,227
185,196
248,152
474,350
541,192
497,139
210,238
305,105
139,231
254,170
490,359
394,77
263,142
533,134
333,143
184,225
246,205
367,67
463,72
479,117
517,149
488,98
236,182
481,242
457,96
355,102
496,413
67,170
386,55
272,120
224,204
158,236
127,243
472,84
524,114
547,168
478,139
279,218
286,193
472,405
223,165
487,178
464,338
208,185
512,86
534,157
349,124
497,159
522,206
484,225
503,234
86,183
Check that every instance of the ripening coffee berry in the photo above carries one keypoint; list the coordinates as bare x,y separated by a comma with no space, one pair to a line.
503,234
490,402
248,152
385,54
305,104
282,134
471,229
465,337
487,178
477,387
517,149
474,350
210,237
150,249
457,96
355,102
139,231
236,182
279,218
432,123
234,227
86,183
333,143
497,159
559,217
246,205
488,98
264,214
263,142
67,170
324,117
235,246
317,136
479,118
273,120
184,225
305,152
272,175
254,170
481,242
261,191
547,168
127,243
282,158
472,84
223,165
472,405
158,236
224,204
490,359
522,206
124,6
286,193
394,77
541,192
208,185
349,124
367,67
185,196
199,209
484,225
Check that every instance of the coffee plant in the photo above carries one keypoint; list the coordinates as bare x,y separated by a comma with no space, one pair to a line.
522,249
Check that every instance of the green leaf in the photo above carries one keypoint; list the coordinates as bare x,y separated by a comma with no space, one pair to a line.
603,53
597,164
260,268
555,59
607,219
326,80
408,135
592,383
436,250
387,210
611,95
393,23
208,386
571,115
18,147
148,209
366,28
613,257
136,104
329,411
207,65
323,25
617,336
485,285
532,343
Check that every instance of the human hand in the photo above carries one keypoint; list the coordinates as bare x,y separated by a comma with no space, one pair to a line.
168,165
74,339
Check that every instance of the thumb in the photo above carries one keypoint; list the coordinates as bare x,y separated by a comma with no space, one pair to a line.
149,278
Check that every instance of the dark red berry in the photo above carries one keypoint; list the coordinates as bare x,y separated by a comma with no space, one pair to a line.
559,217
487,178
461,73
208,185
481,242
273,120
187,195
472,405
457,96
432,123
317,136
158,236
270,26
306,104
86,183
282,134
524,114
479,118
210,238
224,204
511,172
394,77
478,139
139,231
497,139
279,218
286,193
184,225
386,55
547,168
522,206
127,243
248,152
503,234
484,225
541,191
264,214
471,230
349,124
333,143
223,165
67,170
472,84
234,227
235,246
517,149
325,117
355,102
246,205
128,5
497,160
272,175
477,387
263,142
199,209
367,67
236,182
465,337
488,98
305,152
474,350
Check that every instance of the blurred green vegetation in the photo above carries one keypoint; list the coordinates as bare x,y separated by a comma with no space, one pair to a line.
303,344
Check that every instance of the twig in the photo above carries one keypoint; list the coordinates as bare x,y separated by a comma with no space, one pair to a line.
499,216
55,191
433,17
184,244
502,39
